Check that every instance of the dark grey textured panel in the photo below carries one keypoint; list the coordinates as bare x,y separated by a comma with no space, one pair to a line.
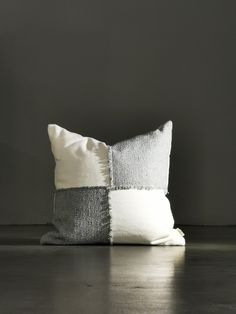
142,160
81,215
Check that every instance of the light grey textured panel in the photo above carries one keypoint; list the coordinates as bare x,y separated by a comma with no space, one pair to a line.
142,160
81,216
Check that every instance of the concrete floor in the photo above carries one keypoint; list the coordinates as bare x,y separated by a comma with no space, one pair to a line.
200,278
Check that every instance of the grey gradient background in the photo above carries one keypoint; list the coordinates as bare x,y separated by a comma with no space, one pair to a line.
111,70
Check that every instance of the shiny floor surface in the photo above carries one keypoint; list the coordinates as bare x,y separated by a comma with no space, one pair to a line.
198,278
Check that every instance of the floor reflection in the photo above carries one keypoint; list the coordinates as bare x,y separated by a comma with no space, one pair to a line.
118,279
143,279
81,280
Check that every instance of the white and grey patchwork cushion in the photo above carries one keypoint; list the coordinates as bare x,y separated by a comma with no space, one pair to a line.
112,194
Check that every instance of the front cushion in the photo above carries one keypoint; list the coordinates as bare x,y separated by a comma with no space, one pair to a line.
112,194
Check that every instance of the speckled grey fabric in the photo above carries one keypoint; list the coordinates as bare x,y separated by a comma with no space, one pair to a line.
142,160
81,215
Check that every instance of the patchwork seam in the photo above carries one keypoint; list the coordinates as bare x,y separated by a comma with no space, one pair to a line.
111,188
110,165
109,208
133,187
106,214
93,187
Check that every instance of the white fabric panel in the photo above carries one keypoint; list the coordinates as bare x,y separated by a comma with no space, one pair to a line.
142,217
80,161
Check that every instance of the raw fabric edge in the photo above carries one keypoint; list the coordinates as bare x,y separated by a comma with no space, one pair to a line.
110,165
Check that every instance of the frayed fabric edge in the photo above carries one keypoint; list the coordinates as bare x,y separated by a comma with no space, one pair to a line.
113,188
110,217
110,165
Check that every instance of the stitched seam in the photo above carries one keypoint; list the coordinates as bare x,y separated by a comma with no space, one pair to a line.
110,166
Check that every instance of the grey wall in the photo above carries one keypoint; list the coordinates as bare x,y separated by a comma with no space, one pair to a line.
110,70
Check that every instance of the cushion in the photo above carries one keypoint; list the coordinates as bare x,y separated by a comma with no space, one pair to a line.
112,194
